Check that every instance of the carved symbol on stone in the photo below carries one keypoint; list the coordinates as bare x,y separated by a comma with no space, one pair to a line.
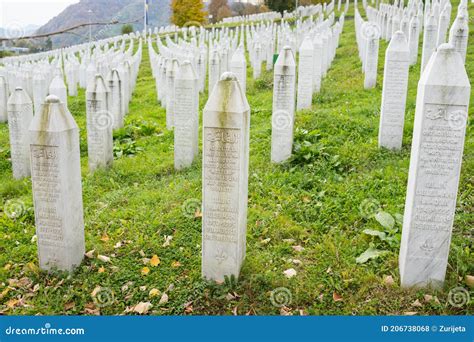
427,246
221,256
439,113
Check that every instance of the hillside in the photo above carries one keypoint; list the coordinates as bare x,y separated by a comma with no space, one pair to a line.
103,11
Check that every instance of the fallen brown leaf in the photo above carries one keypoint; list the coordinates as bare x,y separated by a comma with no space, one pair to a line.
69,306
336,297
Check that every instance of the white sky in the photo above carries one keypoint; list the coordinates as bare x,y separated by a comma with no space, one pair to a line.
25,12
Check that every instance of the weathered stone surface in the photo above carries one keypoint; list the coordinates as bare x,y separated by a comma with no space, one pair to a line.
20,114
305,75
58,88
116,100
371,33
394,93
429,41
186,116
435,165
99,125
3,99
283,110
226,129
57,189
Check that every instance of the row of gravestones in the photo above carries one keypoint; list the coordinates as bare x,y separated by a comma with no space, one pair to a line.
440,122
226,118
46,145
106,100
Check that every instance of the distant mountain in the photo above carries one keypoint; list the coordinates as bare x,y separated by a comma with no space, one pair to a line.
123,11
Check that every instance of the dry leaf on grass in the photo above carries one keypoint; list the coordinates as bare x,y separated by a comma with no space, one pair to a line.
154,293
289,273
69,306
298,248
470,281
145,271
103,258
336,297
188,307
168,239
155,261
388,280
163,299
142,308
90,254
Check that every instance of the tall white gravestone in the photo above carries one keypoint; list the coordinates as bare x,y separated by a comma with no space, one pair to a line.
305,75
394,93
429,41
57,189
186,116
435,165
226,126
20,114
99,125
116,100
283,110
371,34
3,99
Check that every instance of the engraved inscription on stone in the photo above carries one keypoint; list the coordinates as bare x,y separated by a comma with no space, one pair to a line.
221,170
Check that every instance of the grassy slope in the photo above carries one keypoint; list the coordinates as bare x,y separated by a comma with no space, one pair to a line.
314,200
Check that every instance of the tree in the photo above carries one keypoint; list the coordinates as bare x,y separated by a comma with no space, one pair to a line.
188,12
214,7
48,44
280,5
223,12
127,28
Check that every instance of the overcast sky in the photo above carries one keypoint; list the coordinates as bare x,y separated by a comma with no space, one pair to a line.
26,12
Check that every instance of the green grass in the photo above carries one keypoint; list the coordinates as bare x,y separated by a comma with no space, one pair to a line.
314,199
